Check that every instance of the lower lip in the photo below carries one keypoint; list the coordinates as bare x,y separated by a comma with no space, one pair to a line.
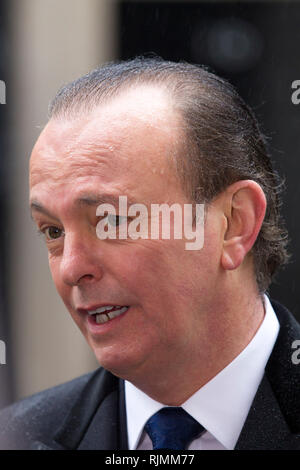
101,328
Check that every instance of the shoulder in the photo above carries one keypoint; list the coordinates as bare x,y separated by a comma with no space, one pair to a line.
40,413
285,317
284,373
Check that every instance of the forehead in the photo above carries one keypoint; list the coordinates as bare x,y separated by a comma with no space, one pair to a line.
136,134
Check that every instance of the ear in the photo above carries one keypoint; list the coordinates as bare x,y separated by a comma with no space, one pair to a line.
244,209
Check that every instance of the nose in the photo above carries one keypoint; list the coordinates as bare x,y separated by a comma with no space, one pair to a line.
81,260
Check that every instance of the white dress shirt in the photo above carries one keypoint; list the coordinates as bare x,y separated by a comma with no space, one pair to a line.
222,404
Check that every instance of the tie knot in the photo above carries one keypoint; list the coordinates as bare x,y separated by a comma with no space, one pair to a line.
172,428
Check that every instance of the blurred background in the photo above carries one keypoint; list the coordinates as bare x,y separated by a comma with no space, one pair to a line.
45,43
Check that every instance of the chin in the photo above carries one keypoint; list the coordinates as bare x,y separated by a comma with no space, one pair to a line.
122,365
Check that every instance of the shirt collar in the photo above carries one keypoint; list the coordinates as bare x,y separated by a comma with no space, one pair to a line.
222,404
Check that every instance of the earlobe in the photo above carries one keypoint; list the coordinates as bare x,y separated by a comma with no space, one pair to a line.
245,206
232,256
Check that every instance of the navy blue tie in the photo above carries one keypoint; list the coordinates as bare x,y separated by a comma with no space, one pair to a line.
172,428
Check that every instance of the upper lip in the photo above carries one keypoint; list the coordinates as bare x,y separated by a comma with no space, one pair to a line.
96,306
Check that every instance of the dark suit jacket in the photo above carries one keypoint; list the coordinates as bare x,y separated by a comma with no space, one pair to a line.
89,412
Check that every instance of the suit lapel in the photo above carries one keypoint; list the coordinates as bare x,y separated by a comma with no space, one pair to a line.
265,427
273,421
283,374
94,420
102,432
108,429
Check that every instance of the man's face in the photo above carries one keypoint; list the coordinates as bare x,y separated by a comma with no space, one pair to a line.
124,148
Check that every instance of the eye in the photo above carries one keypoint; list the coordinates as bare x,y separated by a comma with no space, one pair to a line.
52,232
116,220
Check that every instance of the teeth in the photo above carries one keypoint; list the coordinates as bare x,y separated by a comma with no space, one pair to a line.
102,309
103,318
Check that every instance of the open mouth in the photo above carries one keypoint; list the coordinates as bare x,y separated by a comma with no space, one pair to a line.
107,313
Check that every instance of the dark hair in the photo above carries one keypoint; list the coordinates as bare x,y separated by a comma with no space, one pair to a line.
223,141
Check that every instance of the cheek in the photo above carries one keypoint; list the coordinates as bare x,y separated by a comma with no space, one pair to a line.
55,273
139,262
54,269
153,272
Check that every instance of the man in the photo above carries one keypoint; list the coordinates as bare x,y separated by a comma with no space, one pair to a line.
186,331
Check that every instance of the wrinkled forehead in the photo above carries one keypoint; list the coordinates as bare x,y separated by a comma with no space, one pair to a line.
140,126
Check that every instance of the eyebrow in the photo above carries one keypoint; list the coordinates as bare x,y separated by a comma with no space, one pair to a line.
35,206
88,199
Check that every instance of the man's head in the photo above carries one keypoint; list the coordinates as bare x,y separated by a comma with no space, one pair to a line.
220,139
128,130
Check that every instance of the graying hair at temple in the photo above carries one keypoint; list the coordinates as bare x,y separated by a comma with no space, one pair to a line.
223,143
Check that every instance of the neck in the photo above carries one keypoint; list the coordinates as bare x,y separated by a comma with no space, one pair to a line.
223,337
